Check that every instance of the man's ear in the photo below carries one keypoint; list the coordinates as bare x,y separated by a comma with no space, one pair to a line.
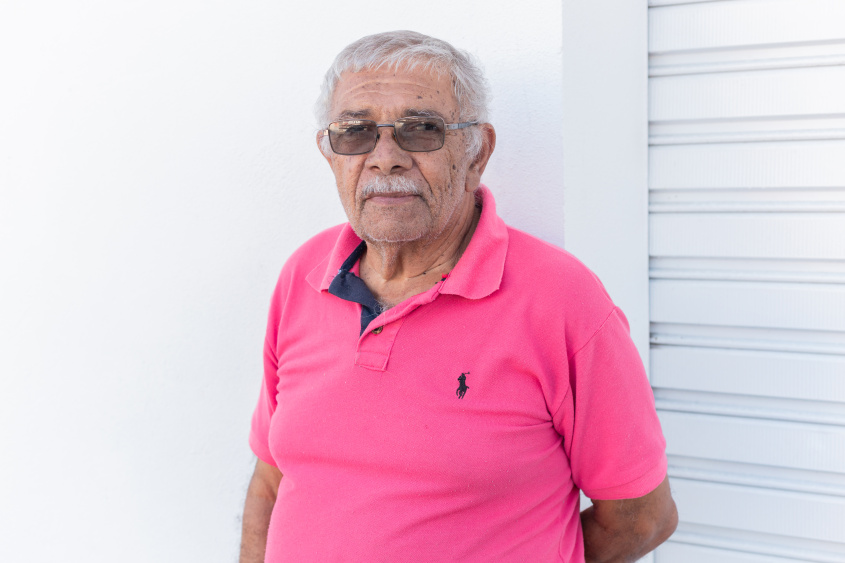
479,163
326,155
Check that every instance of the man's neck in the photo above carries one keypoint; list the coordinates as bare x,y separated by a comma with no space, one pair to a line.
395,272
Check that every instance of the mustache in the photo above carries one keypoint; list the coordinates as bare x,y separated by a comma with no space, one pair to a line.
385,185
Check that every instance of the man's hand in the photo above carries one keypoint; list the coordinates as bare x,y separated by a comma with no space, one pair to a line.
621,531
260,499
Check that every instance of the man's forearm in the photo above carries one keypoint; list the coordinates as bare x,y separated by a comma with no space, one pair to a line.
256,521
623,531
258,507
603,545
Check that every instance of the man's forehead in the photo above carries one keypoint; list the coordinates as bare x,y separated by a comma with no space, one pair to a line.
365,93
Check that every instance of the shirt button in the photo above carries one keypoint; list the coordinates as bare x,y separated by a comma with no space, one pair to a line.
378,330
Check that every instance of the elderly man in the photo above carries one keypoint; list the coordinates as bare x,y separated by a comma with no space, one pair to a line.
439,386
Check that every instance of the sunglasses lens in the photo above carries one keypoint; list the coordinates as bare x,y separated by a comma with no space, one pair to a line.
420,134
415,134
352,136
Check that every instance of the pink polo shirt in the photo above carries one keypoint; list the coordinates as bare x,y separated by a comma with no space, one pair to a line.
388,455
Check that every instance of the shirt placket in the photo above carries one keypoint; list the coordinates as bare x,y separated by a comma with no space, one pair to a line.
376,343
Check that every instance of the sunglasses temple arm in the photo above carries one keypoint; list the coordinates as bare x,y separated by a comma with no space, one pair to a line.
451,126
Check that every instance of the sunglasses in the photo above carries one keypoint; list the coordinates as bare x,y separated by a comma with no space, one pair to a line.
413,134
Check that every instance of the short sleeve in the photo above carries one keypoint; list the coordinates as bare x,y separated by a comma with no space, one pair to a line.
309,259
612,434
263,413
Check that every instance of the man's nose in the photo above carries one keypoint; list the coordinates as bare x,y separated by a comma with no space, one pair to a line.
388,156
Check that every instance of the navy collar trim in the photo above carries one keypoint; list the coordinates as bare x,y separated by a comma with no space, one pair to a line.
350,287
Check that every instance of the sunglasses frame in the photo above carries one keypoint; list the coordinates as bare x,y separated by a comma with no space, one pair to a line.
446,127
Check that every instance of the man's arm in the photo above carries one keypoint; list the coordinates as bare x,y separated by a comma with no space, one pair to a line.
260,499
621,531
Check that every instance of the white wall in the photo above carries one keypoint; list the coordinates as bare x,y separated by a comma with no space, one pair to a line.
157,166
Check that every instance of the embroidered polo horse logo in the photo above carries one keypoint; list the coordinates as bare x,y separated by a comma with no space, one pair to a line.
462,385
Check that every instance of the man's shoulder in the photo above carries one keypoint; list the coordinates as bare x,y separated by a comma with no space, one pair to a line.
526,249
317,248
546,266
310,254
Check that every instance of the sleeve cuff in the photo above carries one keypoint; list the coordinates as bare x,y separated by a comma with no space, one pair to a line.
639,487
260,449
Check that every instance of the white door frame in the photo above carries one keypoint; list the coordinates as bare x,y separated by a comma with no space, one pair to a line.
605,152
605,125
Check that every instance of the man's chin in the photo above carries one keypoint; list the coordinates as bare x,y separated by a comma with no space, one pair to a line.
393,225
391,233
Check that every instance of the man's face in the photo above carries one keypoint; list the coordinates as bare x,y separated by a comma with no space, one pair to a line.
439,178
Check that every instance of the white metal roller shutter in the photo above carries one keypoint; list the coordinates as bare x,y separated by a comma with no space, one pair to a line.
747,268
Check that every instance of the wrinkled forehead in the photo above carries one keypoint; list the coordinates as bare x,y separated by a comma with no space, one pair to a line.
384,92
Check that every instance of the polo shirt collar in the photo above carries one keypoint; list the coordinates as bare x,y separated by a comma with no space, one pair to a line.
477,274
321,277
479,271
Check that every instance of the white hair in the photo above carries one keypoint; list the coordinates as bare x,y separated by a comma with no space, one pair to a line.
410,50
